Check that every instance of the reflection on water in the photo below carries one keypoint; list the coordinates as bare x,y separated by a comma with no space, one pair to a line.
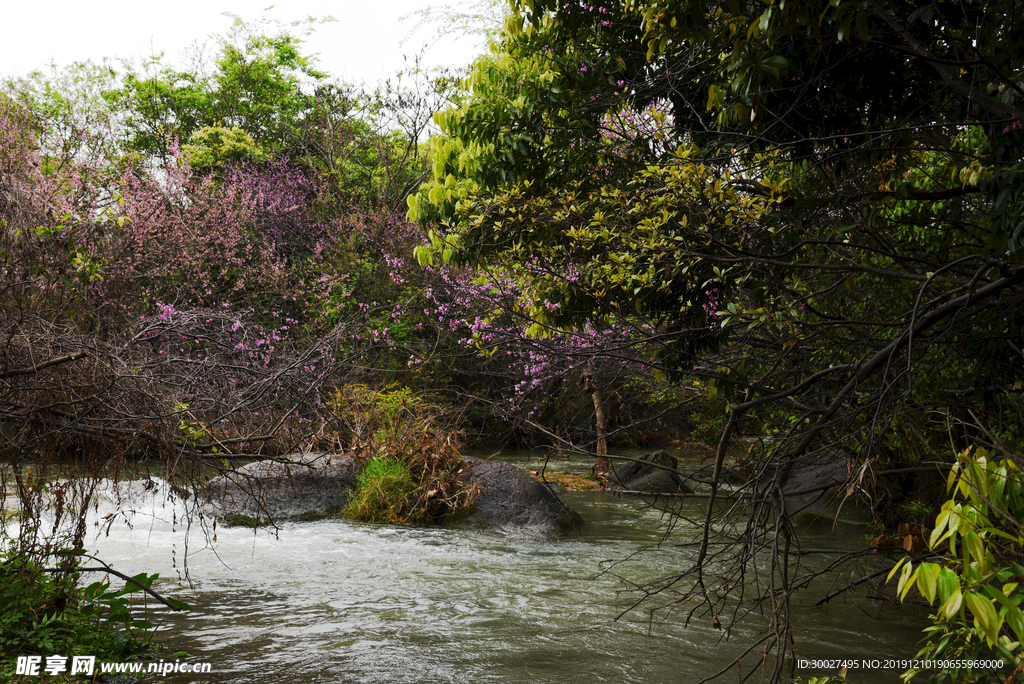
336,601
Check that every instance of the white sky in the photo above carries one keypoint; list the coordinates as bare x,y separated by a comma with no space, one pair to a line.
365,44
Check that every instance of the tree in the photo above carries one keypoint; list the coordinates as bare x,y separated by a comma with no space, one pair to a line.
811,209
573,390
256,85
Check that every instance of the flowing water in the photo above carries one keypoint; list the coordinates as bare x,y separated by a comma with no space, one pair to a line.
338,601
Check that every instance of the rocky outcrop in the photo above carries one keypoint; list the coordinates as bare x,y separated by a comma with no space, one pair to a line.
514,502
654,472
299,486
313,486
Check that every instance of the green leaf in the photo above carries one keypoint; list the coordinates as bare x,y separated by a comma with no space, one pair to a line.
423,256
946,584
896,567
181,605
953,604
435,195
941,522
906,580
986,616
1015,619
975,548
927,580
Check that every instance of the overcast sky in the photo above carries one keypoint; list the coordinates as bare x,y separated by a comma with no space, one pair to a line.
365,44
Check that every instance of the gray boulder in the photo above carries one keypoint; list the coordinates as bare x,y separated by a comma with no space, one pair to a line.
514,502
817,472
298,486
648,474
314,486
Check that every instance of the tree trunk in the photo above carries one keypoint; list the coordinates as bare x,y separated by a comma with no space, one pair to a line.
601,466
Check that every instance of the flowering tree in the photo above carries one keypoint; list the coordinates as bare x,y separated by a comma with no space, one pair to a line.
571,389
194,305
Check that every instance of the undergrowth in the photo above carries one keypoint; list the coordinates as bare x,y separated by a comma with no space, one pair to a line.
45,613
409,449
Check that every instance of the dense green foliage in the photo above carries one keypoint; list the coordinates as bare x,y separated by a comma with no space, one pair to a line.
802,218
976,587
53,613
810,209
36,614
253,87
642,163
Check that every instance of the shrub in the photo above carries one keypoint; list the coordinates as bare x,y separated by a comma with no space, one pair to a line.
45,613
411,456
38,614
975,582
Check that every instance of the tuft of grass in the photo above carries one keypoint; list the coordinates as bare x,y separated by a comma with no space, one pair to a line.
385,493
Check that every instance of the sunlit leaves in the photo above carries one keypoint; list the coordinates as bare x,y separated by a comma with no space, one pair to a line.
214,146
927,580
981,572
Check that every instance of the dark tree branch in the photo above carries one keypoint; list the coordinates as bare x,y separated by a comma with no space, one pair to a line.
107,568
45,364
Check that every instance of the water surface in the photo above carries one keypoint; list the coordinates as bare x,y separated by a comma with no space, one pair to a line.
338,601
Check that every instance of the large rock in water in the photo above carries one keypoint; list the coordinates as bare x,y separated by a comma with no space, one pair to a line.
313,486
817,472
514,502
298,486
654,472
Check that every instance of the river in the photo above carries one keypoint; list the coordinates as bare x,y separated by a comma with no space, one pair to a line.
339,601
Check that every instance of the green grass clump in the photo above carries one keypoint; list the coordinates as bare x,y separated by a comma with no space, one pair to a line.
385,493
